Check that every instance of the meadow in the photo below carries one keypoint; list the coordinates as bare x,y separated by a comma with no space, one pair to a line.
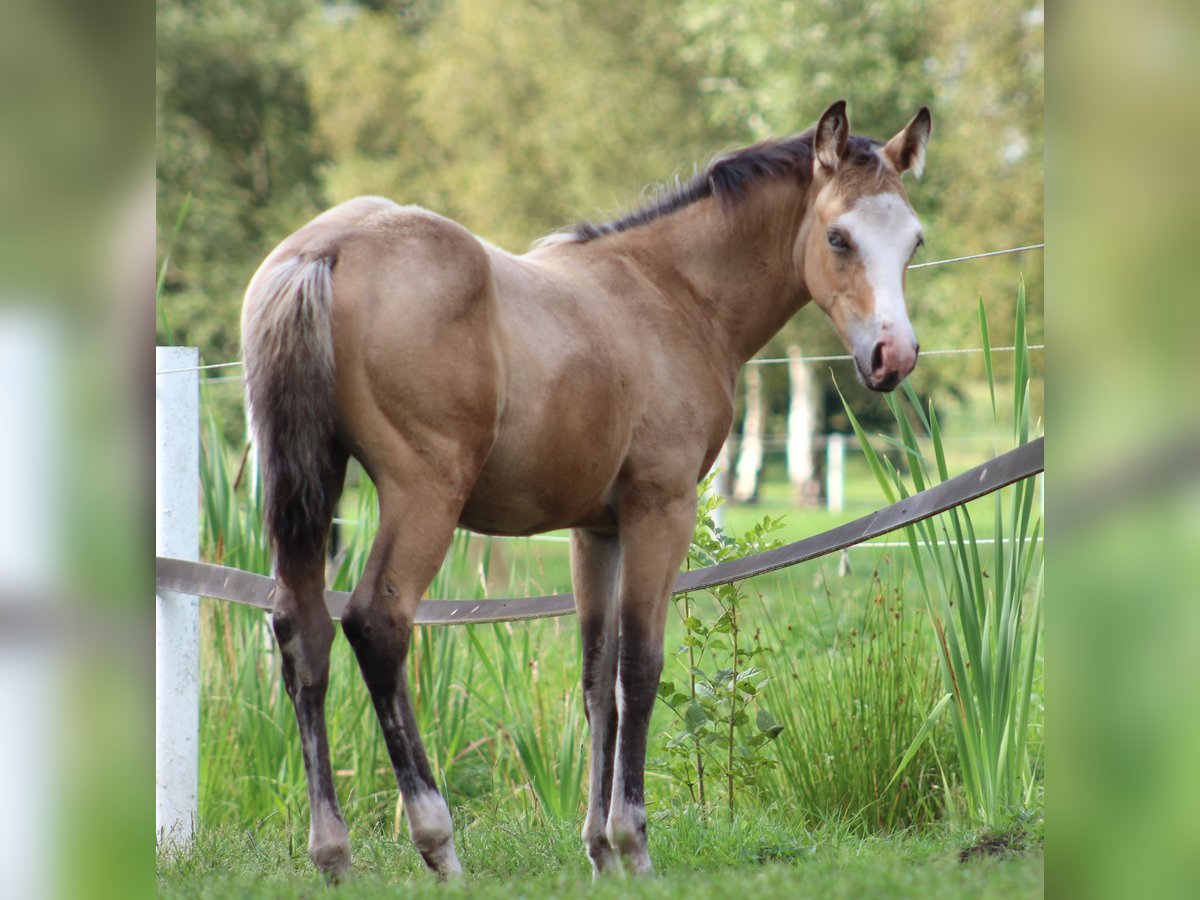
802,741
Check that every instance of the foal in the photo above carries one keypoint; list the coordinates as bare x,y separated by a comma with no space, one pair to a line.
587,385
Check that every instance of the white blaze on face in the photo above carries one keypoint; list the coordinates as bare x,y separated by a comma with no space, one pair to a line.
884,231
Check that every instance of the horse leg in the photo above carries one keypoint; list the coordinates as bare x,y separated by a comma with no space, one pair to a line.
412,540
655,533
594,560
304,633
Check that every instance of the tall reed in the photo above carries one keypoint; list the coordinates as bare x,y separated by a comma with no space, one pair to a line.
852,669
498,708
985,607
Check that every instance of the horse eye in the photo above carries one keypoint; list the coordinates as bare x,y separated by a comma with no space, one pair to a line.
837,240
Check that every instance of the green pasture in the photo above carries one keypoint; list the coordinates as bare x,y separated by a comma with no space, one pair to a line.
505,856
803,741
814,699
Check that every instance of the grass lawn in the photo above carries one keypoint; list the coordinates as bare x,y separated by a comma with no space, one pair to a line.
766,855
850,672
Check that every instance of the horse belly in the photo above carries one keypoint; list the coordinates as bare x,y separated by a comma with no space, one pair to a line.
555,469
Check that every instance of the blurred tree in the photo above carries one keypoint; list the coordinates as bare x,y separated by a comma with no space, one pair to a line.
235,131
987,173
513,119
516,119
363,65
773,67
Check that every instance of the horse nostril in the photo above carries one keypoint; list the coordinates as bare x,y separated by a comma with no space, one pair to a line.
877,357
916,350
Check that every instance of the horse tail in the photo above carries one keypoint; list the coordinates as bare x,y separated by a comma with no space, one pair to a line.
287,344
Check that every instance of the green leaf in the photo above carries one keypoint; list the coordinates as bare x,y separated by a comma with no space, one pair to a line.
927,727
987,355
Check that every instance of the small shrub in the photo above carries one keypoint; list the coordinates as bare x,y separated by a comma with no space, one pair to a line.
715,706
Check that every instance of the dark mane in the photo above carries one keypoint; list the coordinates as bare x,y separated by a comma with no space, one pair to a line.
729,177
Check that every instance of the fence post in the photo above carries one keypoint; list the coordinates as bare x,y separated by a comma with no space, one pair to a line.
835,461
35,659
176,616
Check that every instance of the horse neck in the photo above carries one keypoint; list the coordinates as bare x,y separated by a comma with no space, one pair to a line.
733,262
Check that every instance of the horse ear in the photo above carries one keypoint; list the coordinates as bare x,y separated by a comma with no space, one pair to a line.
907,149
829,142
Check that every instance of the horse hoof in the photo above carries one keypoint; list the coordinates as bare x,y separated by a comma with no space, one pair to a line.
444,863
604,862
333,860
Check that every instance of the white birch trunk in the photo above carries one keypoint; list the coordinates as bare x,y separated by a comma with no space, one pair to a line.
801,428
750,455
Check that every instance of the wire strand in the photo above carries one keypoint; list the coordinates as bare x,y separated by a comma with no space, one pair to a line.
925,265
943,262
845,356
224,365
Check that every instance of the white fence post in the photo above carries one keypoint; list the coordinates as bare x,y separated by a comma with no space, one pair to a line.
835,462
176,616
33,661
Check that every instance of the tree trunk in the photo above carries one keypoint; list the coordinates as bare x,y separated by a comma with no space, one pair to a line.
750,456
806,490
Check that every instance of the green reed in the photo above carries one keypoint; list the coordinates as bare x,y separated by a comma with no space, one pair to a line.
498,708
985,607
852,670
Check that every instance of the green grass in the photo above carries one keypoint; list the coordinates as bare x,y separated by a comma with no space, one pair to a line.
853,665
985,605
765,854
499,707
851,693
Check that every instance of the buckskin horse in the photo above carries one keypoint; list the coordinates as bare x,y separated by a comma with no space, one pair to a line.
587,384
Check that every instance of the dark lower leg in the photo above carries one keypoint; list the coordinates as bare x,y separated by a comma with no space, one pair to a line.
599,683
638,672
380,640
304,635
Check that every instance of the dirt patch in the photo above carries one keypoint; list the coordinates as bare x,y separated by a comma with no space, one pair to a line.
1005,843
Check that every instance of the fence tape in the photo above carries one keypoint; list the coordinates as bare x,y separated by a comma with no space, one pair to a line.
238,586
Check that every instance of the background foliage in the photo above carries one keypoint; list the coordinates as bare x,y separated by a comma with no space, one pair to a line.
517,119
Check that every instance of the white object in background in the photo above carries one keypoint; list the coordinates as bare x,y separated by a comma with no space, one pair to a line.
835,462
32,655
801,425
719,485
750,455
176,616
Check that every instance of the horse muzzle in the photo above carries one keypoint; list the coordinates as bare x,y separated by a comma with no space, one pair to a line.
891,360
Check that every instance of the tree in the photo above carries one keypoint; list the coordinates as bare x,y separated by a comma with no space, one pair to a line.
772,67
513,119
235,132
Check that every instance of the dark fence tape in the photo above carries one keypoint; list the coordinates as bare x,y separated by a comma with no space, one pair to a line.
238,586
